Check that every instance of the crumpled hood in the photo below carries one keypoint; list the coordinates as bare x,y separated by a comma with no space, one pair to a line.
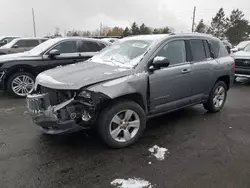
11,57
242,55
76,76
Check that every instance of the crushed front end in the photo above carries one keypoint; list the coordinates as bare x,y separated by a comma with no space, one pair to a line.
63,111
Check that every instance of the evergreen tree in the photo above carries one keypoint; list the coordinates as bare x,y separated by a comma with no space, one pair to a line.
201,27
144,29
126,32
135,29
218,25
239,28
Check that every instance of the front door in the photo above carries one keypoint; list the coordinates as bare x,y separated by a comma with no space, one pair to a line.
68,55
169,87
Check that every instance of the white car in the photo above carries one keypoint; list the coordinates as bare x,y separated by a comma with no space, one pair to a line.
112,40
240,46
242,62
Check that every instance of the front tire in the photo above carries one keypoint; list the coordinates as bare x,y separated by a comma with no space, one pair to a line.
20,84
217,97
121,124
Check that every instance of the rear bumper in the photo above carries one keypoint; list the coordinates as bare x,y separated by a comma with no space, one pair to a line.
48,119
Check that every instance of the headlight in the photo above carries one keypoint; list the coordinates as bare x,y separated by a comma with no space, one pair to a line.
85,94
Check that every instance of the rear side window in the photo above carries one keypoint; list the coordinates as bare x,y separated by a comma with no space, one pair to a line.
198,50
66,47
27,43
32,43
218,49
88,46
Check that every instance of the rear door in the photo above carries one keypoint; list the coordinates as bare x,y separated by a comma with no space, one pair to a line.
202,63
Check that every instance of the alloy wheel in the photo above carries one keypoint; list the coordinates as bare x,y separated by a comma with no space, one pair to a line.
22,85
219,97
124,126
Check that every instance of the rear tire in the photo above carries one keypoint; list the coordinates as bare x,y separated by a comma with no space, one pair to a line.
217,97
115,127
20,84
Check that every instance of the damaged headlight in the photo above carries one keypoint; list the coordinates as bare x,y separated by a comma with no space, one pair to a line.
85,94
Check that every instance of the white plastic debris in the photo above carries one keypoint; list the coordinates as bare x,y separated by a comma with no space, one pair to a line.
230,127
131,183
150,163
158,152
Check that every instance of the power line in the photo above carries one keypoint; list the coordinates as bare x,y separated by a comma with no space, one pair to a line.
34,23
193,18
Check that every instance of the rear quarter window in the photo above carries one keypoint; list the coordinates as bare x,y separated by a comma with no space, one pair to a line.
218,48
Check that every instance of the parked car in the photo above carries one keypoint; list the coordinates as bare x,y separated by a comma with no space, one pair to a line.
112,40
242,63
6,39
20,45
135,79
18,71
240,46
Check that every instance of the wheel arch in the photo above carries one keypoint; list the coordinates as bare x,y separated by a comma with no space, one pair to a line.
226,79
17,69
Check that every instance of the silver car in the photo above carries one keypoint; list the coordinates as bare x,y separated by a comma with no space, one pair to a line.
135,79
20,45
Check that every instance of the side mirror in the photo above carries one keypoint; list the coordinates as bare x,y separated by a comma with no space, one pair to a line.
15,46
160,62
54,52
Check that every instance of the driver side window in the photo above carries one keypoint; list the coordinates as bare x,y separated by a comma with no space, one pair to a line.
174,51
66,47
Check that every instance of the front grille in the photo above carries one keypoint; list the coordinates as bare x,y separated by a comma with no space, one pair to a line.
55,97
242,63
36,103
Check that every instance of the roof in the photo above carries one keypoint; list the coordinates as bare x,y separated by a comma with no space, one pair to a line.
147,37
76,37
29,38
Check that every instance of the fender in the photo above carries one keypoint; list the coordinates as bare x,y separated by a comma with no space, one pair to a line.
132,84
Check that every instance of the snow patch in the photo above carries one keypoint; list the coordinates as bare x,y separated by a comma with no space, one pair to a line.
159,58
158,152
131,183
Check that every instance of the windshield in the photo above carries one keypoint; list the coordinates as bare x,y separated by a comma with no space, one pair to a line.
126,53
247,48
243,44
38,50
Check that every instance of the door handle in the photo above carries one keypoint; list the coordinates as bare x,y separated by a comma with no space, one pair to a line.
185,71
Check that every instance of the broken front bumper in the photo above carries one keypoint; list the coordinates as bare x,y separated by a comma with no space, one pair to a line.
47,116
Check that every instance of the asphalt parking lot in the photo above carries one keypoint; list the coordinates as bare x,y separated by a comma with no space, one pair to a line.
205,150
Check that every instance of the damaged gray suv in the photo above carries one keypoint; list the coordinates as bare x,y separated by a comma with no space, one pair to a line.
135,79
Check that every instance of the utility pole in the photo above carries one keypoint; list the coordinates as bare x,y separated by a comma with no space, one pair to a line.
193,18
34,23
100,29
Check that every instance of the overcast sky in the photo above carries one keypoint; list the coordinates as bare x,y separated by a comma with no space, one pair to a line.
16,17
